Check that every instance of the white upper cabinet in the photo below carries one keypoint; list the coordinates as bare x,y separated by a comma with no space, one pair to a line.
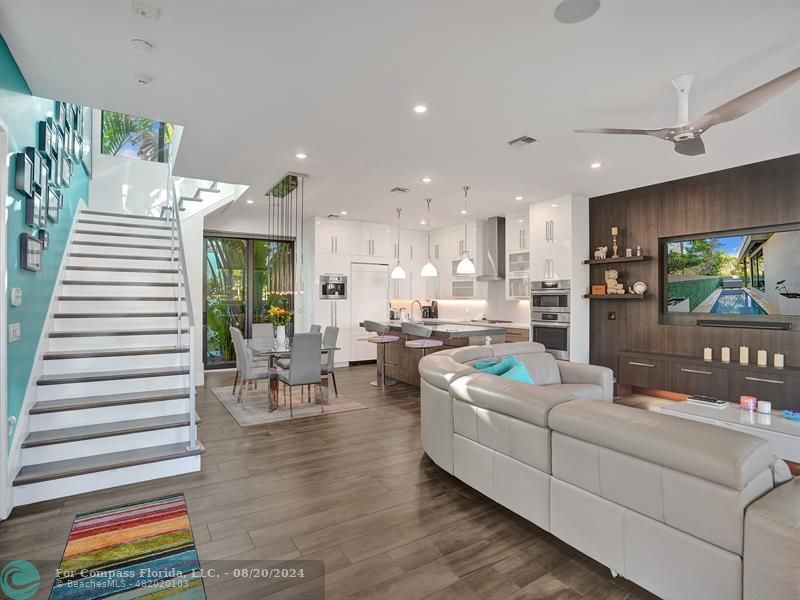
517,234
551,221
372,240
331,237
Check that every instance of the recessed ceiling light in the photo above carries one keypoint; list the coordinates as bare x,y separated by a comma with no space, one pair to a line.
518,198
596,165
422,222
420,109
249,201
300,155
463,212
554,205
342,212
426,180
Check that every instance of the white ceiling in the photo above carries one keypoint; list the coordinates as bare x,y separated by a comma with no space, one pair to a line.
255,82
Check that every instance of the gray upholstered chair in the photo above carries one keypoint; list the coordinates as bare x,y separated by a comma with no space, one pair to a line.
305,361
315,329
249,369
329,339
422,341
264,333
381,338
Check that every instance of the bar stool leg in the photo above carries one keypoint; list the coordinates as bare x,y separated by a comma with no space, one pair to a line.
382,381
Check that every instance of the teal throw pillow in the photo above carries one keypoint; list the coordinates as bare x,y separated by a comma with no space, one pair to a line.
518,373
501,367
485,363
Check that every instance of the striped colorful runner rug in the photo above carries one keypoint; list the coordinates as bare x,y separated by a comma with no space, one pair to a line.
140,550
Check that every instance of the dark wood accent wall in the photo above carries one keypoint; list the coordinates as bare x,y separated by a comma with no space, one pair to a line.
760,194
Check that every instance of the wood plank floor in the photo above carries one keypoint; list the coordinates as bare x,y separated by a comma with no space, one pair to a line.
352,489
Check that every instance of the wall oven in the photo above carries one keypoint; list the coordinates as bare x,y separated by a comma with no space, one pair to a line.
550,316
332,286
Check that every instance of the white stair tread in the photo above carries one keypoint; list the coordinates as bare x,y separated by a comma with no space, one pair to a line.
118,224
121,269
112,332
111,214
143,236
100,430
113,315
103,462
86,402
70,354
111,375
118,298
133,283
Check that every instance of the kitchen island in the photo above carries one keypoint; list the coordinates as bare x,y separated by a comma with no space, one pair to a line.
402,363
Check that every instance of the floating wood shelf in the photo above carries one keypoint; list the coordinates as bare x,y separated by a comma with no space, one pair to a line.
614,296
619,259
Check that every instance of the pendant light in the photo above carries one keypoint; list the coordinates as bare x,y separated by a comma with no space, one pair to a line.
398,272
429,269
466,266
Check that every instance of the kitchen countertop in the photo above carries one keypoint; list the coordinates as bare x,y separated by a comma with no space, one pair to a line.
455,329
525,326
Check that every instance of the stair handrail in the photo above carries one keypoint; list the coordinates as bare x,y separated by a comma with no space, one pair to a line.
176,236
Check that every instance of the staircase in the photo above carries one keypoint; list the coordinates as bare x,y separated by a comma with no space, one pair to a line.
115,401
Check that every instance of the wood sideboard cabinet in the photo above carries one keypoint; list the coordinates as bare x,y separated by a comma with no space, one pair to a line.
726,381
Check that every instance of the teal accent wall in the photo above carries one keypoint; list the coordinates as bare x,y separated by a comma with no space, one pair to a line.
21,113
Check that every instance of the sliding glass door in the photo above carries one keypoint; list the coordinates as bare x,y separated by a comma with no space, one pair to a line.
243,278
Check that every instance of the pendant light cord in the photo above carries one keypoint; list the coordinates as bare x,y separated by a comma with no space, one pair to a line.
399,210
428,200
466,250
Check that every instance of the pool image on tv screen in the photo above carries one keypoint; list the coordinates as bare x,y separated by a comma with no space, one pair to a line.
750,274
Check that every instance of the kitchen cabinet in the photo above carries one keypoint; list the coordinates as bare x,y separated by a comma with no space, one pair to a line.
336,313
518,286
551,221
332,238
517,231
372,240
458,242
551,261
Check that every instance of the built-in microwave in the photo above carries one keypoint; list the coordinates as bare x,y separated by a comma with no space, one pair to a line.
332,286
550,295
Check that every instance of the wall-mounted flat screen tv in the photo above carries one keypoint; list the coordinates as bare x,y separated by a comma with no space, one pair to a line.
746,274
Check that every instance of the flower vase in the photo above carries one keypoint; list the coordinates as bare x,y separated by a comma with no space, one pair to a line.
280,336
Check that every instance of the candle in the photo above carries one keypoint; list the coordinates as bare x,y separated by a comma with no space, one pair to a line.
744,355
707,354
764,407
762,358
614,231
725,354
778,360
748,402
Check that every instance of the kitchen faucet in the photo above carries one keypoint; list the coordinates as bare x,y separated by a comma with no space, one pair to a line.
417,302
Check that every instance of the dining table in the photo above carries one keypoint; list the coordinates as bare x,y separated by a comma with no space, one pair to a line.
272,352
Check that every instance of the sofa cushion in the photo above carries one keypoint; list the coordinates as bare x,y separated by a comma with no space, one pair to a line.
440,369
518,373
584,391
542,366
727,457
531,403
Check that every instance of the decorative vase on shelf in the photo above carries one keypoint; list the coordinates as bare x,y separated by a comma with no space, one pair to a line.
280,336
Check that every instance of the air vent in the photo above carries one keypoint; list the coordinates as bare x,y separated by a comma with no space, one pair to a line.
523,141
332,216
400,190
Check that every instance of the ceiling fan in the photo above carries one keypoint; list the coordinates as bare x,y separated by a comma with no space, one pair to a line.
686,134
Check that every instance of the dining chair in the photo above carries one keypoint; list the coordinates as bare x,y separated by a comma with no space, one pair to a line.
264,333
315,329
422,341
304,366
381,338
329,339
283,363
249,369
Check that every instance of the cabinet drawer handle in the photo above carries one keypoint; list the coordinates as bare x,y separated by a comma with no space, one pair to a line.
697,371
640,364
760,380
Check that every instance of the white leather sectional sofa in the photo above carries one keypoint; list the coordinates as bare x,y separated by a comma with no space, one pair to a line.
664,502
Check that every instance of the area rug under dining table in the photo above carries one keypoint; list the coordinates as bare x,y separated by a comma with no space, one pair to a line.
143,549
254,407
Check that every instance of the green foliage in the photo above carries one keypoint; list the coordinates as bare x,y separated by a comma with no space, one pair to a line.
148,137
696,290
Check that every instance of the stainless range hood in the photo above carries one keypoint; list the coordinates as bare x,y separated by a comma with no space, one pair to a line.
493,253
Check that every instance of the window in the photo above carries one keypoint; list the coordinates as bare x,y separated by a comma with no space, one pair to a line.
135,137
757,270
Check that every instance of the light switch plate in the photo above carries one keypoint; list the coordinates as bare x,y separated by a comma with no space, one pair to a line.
16,296
14,332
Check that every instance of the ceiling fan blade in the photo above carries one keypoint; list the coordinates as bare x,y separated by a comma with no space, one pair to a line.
747,102
653,132
691,147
